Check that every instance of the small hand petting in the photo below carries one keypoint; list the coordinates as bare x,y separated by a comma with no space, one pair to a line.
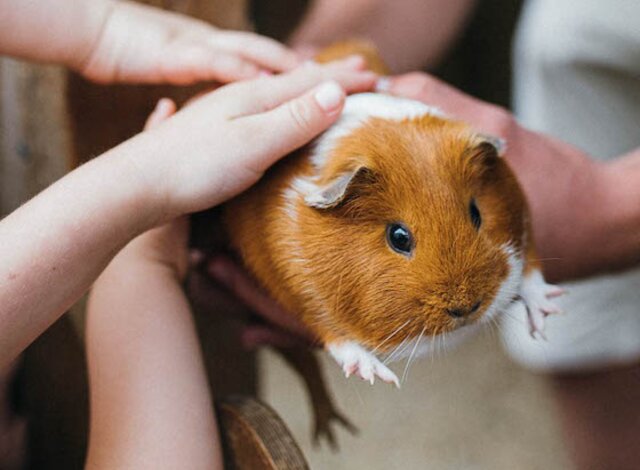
222,143
167,245
141,44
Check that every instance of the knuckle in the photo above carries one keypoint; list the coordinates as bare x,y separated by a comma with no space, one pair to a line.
301,114
501,119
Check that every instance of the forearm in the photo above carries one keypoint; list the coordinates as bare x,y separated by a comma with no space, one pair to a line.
54,246
54,31
150,401
586,214
411,34
619,232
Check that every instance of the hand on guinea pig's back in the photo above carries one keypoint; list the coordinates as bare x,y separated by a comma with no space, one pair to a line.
398,225
283,329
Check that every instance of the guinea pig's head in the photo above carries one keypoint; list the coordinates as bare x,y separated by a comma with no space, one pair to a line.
412,224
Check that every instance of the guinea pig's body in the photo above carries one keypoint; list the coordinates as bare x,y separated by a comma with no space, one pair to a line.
396,225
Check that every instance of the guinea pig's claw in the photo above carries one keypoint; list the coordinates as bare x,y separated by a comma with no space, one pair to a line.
354,359
554,291
536,295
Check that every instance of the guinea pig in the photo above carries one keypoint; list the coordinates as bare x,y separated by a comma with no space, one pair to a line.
395,226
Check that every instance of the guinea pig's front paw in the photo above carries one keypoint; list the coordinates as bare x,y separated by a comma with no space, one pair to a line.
536,295
354,359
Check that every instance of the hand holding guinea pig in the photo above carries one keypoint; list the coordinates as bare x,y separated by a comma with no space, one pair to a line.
395,226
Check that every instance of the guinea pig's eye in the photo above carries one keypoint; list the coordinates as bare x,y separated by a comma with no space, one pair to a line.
474,213
399,238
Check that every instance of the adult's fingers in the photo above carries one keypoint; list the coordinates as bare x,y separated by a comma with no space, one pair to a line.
266,93
293,124
423,87
265,52
240,284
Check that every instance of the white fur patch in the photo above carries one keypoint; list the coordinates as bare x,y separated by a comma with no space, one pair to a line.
357,110
361,107
354,359
510,287
536,295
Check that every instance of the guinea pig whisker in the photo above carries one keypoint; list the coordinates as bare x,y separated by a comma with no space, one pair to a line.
397,350
436,347
413,351
441,350
391,336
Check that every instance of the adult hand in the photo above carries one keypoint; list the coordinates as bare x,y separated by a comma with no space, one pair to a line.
282,328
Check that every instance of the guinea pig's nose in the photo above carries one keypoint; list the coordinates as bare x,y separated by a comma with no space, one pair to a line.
459,312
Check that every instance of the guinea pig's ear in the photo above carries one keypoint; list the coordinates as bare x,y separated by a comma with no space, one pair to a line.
499,145
339,189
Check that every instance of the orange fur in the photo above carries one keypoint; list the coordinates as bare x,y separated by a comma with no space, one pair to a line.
333,267
360,47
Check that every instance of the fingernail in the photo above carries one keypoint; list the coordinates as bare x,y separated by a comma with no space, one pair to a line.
329,96
162,105
383,85
264,73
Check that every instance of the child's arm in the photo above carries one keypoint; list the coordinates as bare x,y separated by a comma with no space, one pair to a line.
109,41
54,246
150,400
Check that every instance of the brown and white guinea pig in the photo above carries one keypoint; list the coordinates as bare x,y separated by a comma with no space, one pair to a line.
395,226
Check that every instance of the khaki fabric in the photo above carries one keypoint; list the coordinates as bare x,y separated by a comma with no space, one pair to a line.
577,77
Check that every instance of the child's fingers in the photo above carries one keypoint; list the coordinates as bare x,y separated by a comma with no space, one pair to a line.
294,123
202,63
263,51
267,93
163,110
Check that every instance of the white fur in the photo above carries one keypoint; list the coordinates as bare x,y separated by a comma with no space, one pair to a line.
354,359
357,110
535,293
361,107
510,287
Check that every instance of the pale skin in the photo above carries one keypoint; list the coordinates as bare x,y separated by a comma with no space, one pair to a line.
55,245
150,400
119,41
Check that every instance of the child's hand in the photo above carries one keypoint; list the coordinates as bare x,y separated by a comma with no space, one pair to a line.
164,246
147,45
222,143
